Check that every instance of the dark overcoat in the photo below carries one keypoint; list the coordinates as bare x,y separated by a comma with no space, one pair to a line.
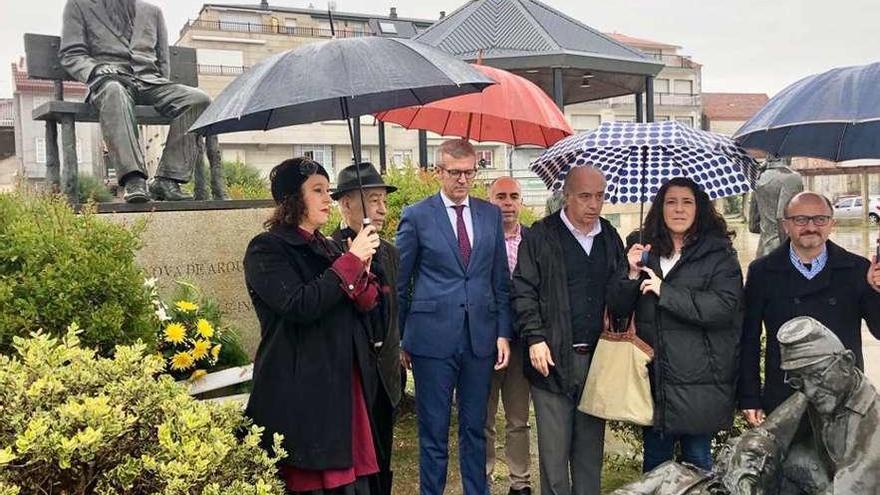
386,264
541,303
311,335
839,297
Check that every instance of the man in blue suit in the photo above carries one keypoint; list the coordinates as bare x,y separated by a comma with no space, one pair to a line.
453,288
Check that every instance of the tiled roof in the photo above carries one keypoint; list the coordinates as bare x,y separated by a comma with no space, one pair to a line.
22,82
7,112
732,106
639,42
510,28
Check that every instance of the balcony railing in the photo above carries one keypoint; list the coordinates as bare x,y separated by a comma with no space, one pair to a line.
247,27
221,70
669,99
678,61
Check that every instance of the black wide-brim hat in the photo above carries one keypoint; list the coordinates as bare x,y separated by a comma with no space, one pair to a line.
347,179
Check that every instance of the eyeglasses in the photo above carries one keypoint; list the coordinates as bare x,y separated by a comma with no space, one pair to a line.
803,220
457,174
797,382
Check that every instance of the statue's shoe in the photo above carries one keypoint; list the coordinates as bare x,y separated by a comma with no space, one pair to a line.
136,190
164,189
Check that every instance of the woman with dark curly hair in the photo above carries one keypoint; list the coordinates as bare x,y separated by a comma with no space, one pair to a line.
311,372
687,299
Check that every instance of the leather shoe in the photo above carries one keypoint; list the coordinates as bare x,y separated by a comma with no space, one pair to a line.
522,491
167,190
136,190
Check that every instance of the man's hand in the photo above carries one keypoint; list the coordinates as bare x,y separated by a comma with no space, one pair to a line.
754,416
874,275
652,284
539,355
503,353
405,360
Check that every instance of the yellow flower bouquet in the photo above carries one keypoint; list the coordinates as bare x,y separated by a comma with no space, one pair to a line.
191,338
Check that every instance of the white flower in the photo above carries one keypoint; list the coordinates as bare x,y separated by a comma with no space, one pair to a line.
161,313
150,283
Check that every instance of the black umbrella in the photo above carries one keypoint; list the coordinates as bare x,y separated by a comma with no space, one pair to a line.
338,79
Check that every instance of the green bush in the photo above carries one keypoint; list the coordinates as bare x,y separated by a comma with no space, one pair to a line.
245,182
74,423
90,188
58,267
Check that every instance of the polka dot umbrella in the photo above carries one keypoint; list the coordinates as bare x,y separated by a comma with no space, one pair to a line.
638,158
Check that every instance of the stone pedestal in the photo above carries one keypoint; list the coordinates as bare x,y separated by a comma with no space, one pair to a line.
202,242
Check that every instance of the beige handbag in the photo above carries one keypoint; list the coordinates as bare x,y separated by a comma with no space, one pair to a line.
617,386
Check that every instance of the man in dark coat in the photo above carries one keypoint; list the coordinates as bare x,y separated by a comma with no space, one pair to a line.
119,48
559,287
386,337
806,276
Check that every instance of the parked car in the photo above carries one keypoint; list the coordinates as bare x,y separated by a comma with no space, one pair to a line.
850,207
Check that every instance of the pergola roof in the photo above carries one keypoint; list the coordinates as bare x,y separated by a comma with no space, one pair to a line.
531,38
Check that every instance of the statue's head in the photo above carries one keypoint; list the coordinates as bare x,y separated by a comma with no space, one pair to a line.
816,363
752,463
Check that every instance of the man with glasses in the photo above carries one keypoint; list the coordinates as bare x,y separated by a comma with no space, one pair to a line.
808,275
453,288
844,408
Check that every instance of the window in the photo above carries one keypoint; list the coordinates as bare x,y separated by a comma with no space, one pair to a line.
239,21
484,158
226,58
688,121
289,25
661,85
585,122
387,28
320,153
684,87
40,150
400,158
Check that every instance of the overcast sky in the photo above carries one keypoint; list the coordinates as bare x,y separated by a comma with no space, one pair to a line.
744,45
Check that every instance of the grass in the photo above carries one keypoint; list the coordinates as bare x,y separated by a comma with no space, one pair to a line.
405,462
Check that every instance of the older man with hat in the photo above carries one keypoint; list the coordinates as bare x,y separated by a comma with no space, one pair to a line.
844,406
352,195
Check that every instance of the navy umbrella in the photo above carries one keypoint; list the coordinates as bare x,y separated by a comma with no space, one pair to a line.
834,116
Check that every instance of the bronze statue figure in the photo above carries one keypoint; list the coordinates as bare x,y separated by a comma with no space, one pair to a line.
844,408
823,440
119,48
751,464
776,185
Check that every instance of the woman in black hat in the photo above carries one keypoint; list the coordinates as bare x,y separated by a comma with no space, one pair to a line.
312,363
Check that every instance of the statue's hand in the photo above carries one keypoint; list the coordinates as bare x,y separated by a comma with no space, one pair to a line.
106,70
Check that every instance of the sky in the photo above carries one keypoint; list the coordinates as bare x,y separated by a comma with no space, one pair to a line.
748,46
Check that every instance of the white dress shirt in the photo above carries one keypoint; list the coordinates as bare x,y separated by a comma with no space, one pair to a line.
585,239
453,216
